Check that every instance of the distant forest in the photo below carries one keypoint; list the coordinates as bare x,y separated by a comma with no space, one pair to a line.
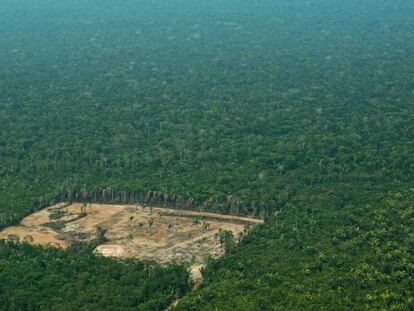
301,113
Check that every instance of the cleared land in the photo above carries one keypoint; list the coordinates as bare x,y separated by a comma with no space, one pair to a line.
154,234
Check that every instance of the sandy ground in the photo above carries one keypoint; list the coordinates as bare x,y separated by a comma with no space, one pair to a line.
155,234
196,276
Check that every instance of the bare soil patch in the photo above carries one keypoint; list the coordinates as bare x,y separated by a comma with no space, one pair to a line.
154,234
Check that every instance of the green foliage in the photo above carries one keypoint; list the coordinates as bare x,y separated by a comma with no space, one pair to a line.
33,278
317,255
102,111
299,112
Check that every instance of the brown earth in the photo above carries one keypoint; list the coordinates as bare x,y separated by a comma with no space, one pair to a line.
154,234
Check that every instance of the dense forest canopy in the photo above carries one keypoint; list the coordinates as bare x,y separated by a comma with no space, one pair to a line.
50,279
279,109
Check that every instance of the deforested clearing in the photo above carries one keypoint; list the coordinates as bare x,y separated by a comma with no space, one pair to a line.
133,231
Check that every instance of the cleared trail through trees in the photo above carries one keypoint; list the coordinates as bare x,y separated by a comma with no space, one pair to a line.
195,277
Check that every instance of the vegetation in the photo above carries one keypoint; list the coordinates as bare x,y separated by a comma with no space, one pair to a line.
301,113
319,254
34,278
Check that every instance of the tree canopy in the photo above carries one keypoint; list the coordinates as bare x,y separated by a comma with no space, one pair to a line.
297,112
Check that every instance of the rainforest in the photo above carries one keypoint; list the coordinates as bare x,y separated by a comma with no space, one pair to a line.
295,116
